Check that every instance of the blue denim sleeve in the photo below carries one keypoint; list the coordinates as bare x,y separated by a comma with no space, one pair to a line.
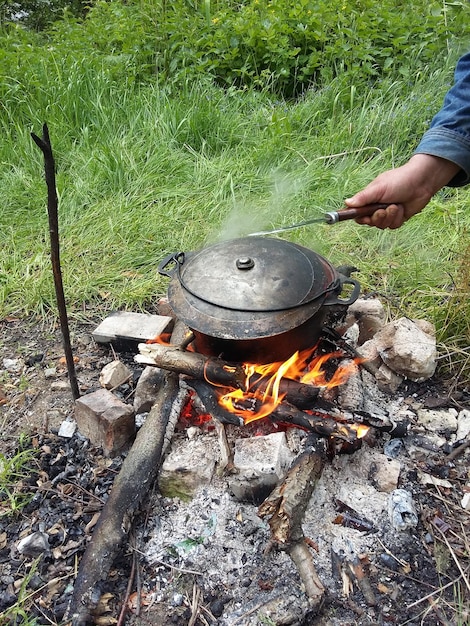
449,133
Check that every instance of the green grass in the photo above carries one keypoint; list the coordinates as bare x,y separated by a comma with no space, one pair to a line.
143,171
14,469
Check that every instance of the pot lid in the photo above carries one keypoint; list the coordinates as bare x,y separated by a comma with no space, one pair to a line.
256,274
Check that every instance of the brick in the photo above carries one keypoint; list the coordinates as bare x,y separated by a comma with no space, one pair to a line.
127,329
105,420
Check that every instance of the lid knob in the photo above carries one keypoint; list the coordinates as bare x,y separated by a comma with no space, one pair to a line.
245,263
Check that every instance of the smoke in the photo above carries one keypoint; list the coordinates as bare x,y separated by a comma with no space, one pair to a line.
247,216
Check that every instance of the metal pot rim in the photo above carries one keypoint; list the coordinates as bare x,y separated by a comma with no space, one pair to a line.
255,274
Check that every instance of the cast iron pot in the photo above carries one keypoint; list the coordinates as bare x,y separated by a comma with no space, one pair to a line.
254,299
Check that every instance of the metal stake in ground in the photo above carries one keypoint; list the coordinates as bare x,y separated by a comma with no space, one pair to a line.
52,211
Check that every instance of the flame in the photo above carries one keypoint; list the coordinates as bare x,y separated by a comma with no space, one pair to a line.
252,404
163,339
361,430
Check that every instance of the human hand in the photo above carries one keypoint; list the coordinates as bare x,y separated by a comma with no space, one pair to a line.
406,190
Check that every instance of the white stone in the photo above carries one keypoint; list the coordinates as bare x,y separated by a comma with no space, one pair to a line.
50,372
387,379
407,350
260,462
465,502
268,454
67,429
34,545
189,466
60,385
401,510
352,335
13,365
463,425
126,326
114,374
369,314
438,420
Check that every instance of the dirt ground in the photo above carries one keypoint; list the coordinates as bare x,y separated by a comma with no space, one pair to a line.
70,481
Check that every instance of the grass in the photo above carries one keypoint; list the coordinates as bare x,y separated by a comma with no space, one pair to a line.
142,172
14,469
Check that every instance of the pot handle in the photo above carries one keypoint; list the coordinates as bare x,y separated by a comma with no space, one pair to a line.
333,297
174,257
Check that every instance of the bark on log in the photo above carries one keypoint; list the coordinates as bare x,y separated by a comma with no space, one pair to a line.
192,364
137,474
285,507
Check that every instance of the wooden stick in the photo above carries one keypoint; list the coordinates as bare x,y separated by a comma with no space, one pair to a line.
192,364
285,507
44,144
137,474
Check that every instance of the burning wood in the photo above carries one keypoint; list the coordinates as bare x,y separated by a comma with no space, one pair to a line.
220,373
198,366
234,392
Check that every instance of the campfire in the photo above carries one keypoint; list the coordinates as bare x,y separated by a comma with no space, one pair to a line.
290,393
275,435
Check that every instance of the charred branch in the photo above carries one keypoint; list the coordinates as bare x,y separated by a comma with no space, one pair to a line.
319,423
209,400
220,373
299,394
138,472
285,509
44,144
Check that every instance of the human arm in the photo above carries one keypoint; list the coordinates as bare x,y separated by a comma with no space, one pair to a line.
441,158
406,189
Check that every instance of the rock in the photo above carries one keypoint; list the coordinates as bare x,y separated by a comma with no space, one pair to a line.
164,308
50,372
105,421
352,335
401,510
114,374
387,379
60,385
439,420
370,351
34,545
463,425
393,448
369,314
67,429
385,475
407,350
14,366
465,502
261,462
127,329
187,467
147,389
